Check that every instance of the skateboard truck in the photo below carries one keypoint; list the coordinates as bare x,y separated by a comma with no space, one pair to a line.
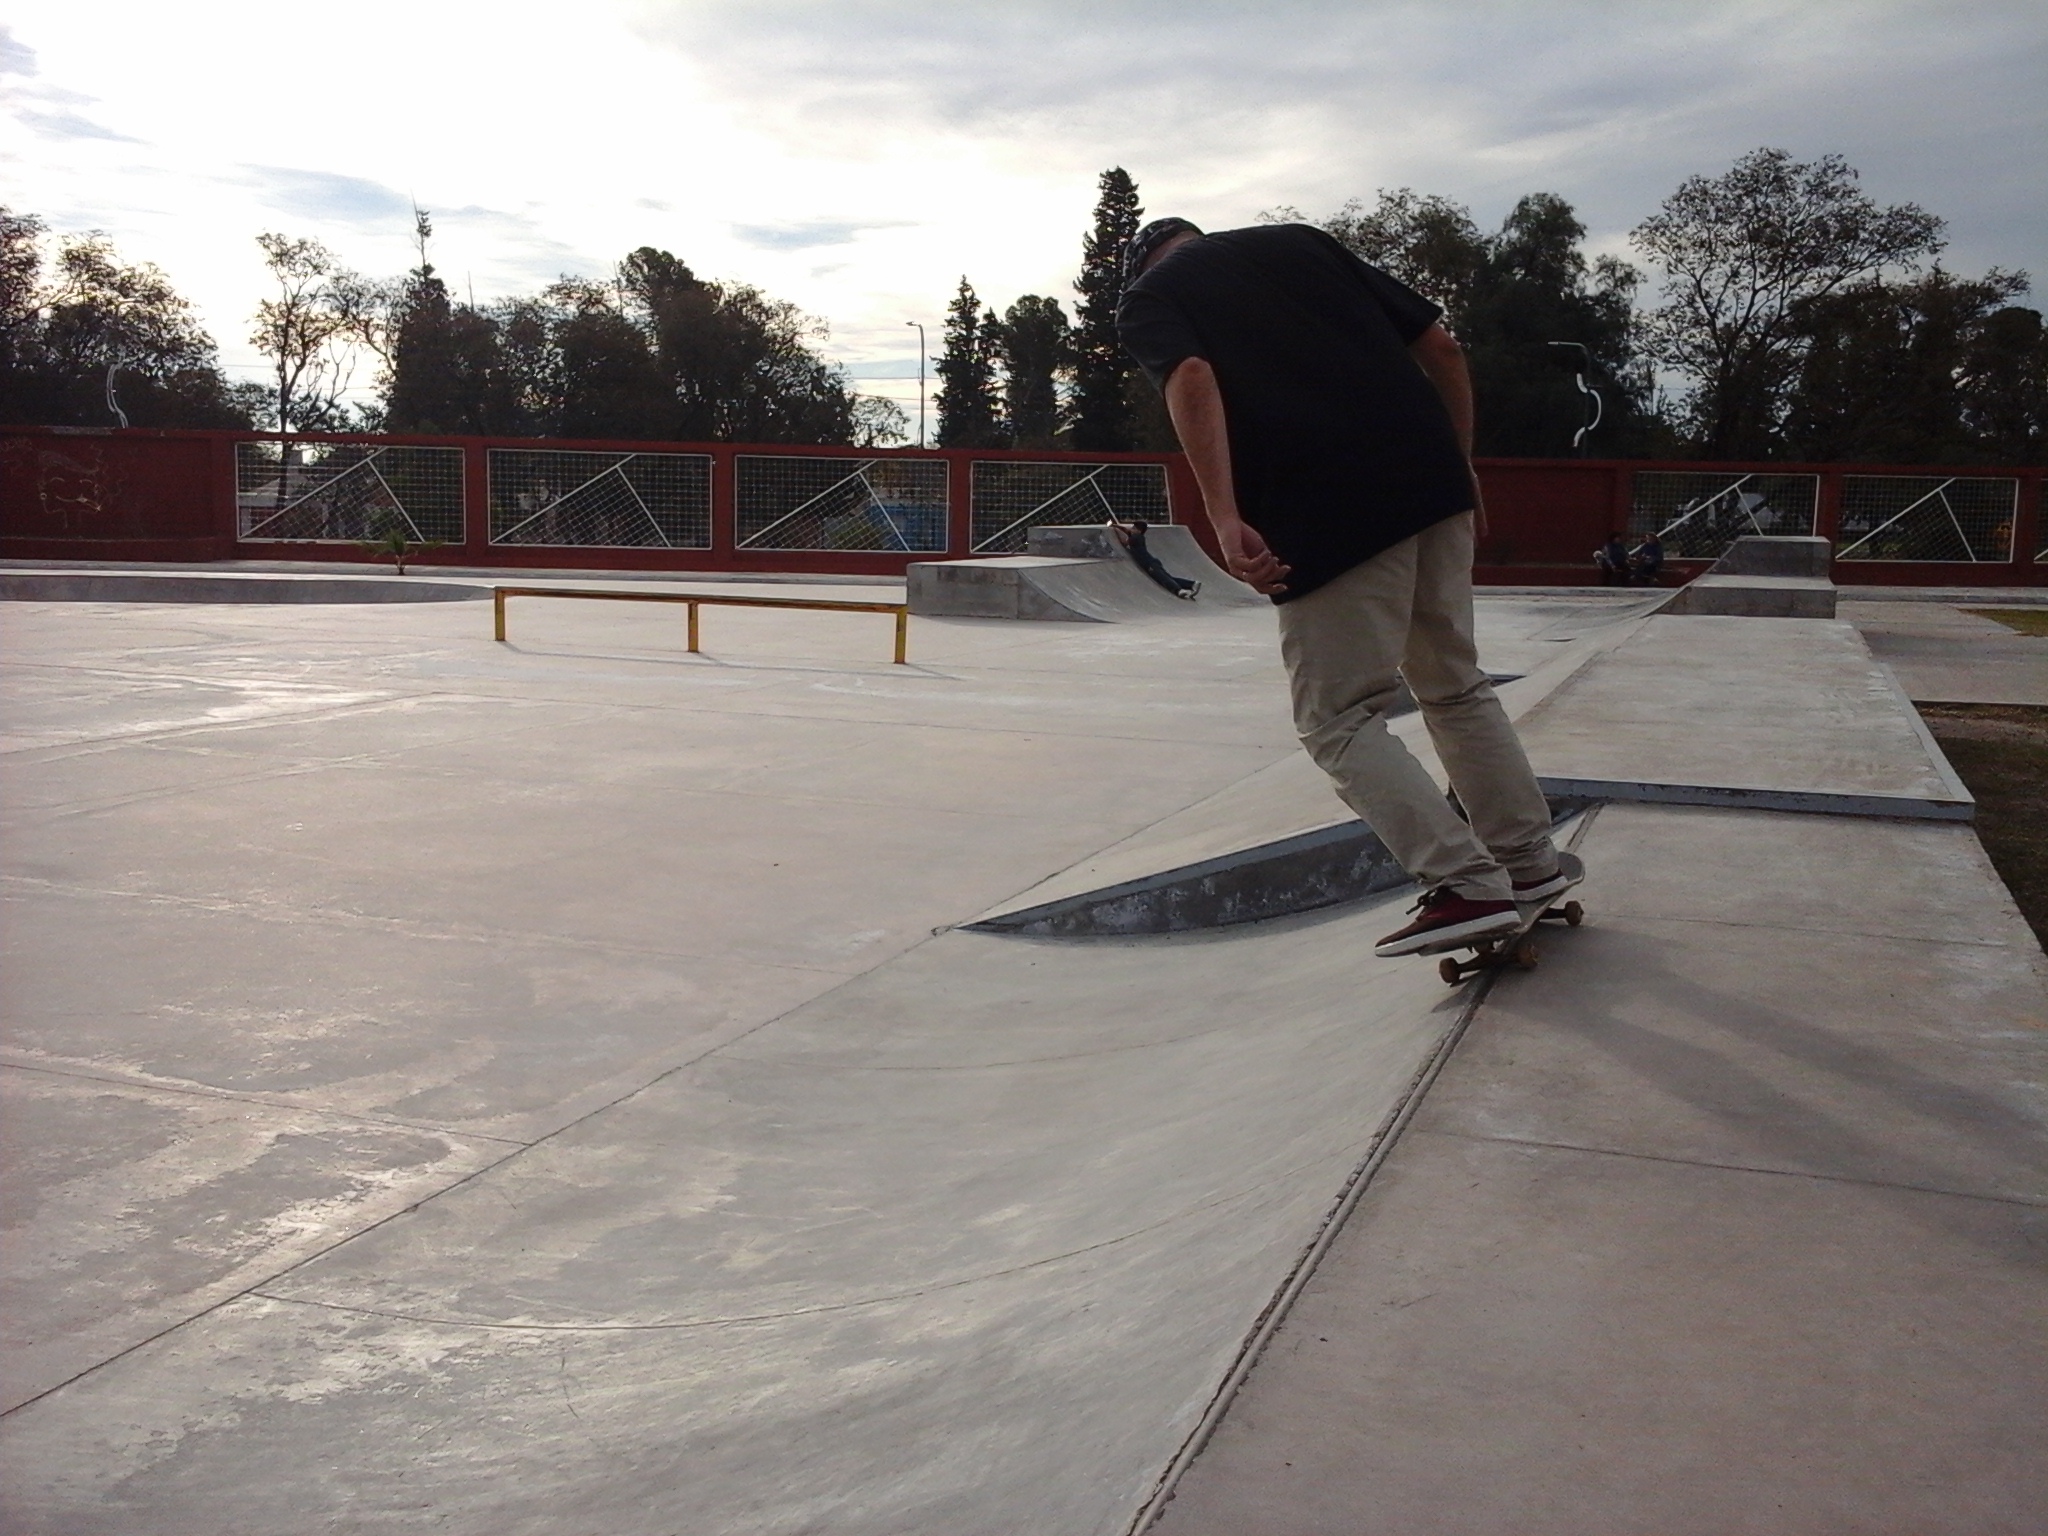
1516,948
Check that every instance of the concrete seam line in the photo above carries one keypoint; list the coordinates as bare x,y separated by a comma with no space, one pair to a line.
2029,1202
1267,1324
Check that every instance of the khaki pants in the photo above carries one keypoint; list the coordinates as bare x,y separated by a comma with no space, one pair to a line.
1408,613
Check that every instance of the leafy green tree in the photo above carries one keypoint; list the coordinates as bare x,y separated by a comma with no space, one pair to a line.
1429,242
1745,256
1507,296
1036,346
25,383
2004,386
737,364
1103,373
60,334
970,414
877,422
1915,372
445,370
1534,288
604,366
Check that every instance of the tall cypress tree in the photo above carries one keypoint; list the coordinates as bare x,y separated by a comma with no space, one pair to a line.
1037,347
969,413
1102,412
445,374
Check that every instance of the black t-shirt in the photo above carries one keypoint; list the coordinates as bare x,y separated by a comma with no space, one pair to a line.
1339,444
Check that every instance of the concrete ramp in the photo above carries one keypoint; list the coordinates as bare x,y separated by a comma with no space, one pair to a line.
963,1245
1779,715
1173,543
1075,575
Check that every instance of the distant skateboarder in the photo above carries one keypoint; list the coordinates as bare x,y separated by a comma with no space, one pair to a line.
1611,560
1132,536
1327,416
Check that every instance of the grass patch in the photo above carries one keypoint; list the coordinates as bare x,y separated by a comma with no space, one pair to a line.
2001,751
2025,621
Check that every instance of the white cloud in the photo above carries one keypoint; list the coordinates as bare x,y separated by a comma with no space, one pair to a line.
860,156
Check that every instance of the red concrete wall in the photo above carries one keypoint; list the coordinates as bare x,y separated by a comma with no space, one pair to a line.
146,495
115,496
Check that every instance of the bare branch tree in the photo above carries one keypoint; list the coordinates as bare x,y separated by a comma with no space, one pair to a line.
1743,253
311,329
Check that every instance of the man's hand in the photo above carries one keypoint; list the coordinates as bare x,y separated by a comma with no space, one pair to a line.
1247,558
1195,402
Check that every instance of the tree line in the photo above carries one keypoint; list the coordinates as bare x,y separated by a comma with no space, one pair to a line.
1795,318
656,353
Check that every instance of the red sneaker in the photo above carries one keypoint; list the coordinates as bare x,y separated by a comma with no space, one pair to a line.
1446,920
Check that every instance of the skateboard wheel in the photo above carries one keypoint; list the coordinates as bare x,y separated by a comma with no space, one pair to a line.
1574,914
1526,955
1450,970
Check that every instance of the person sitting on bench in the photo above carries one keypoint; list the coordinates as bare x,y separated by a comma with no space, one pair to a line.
1132,536
1647,560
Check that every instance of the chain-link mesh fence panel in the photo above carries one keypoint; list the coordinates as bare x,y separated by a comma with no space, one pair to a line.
797,501
1698,514
1012,497
607,500
347,491
1927,517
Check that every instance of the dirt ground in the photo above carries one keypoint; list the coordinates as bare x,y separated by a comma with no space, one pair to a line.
2025,621
2001,750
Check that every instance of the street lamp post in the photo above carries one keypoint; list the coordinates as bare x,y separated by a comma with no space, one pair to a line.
920,379
1592,394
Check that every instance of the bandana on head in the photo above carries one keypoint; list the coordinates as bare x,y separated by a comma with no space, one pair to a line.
1149,239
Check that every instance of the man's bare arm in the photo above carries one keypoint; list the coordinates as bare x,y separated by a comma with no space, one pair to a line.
1437,354
1195,403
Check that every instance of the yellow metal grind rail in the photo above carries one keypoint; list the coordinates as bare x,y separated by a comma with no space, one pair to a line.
697,600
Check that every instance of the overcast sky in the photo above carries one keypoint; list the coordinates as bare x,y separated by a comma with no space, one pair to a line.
858,158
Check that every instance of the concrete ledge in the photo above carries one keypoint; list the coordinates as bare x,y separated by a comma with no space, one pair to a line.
1758,597
1765,578
1302,873
1811,802
1769,555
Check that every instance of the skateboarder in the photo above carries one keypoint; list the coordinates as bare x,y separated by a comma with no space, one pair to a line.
1611,560
1327,416
1132,536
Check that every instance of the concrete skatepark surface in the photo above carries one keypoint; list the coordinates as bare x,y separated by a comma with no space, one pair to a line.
518,1088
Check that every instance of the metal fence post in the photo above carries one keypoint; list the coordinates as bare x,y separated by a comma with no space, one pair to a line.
1827,513
476,510
725,516
2029,538
959,501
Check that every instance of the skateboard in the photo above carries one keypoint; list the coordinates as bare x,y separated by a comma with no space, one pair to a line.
1515,947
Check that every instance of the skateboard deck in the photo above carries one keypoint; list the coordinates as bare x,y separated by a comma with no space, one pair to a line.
1515,947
